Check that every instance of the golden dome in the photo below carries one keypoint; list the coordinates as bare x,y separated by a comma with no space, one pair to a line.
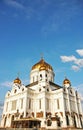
66,81
17,80
42,65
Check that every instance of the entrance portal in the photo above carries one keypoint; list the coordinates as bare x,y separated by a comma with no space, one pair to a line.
26,123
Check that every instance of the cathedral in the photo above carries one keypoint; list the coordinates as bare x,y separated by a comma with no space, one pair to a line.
42,103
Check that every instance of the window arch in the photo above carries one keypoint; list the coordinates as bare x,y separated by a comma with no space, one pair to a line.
12,118
67,120
41,75
81,122
75,121
58,104
5,121
49,122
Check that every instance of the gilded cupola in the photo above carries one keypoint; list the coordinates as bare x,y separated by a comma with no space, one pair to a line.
42,65
66,82
17,80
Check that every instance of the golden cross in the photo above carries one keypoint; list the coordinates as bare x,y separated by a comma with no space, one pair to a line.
42,56
18,74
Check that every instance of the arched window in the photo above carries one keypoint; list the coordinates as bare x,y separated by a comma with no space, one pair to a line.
15,90
75,122
41,75
67,119
22,89
58,123
5,121
58,104
29,103
21,103
47,89
21,116
39,103
39,89
81,122
12,121
49,122
47,103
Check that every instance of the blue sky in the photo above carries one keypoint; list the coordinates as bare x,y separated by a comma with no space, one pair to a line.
29,28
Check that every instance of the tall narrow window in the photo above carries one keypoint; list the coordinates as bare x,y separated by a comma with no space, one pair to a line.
33,79
39,103
5,121
58,105
14,105
12,119
67,119
81,122
75,122
29,103
40,76
6,106
21,103
49,122
47,103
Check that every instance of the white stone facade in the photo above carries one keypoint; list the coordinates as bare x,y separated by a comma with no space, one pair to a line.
54,105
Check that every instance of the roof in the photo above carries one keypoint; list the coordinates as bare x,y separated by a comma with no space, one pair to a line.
55,85
17,80
66,81
32,84
42,65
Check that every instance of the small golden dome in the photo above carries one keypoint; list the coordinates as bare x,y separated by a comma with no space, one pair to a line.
66,81
42,65
17,80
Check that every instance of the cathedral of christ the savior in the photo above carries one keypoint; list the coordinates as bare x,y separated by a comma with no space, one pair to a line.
42,103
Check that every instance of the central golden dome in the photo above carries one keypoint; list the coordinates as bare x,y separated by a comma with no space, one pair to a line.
42,65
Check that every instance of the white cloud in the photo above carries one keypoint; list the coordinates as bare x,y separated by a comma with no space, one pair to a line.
14,4
78,62
6,84
80,52
68,58
75,68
